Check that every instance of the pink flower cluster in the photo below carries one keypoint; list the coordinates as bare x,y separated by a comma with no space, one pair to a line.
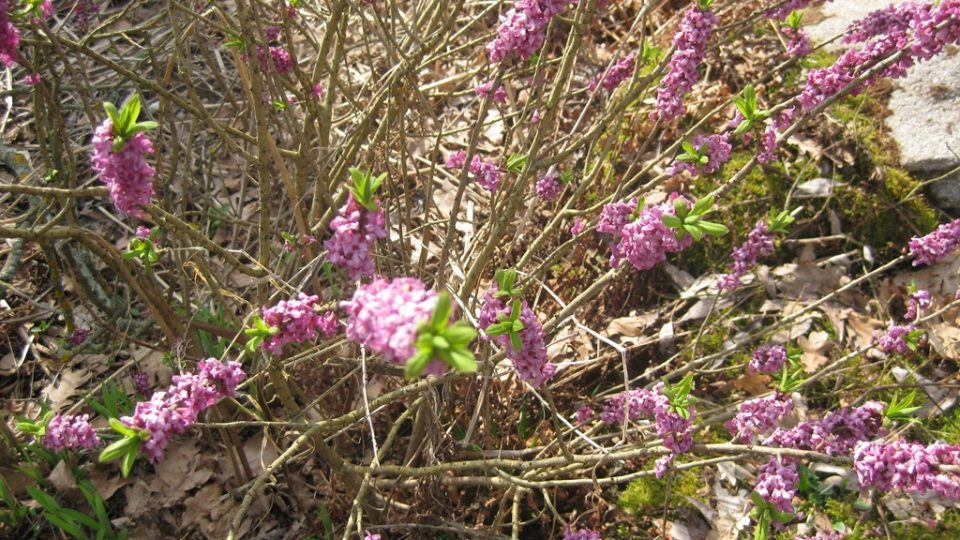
759,243
173,410
523,28
68,431
141,381
549,186
718,152
781,12
768,359
894,340
85,10
836,433
908,466
485,173
676,431
384,316
768,143
614,77
645,241
923,29
758,417
798,43
691,46
282,60
9,36
126,173
581,534
917,302
499,95
777,484
78,336
936,245
298,322
531,360
355,231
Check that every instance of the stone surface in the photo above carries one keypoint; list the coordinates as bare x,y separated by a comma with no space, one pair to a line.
924,105
925,115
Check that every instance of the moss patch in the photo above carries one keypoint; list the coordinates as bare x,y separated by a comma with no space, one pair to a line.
647,493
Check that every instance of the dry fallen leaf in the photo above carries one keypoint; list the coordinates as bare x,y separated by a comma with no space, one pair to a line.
631,326
65,386
815,346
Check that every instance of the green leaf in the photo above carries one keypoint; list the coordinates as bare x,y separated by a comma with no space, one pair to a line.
441,313
112,112
129,459
702,206
116,449
713,229
680,208
121,428
463,361
695,231
416,364
460,333
498,329
671,221
689,148
743,127
515,342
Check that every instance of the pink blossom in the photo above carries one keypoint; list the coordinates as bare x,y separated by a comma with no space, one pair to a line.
142,232
836,433
318,91
531,360
798,43
355,233
717,149
894,339
578,226
646,241
777,484
78,336
126,173
522,29
583,415
485,173
32,79
385,314
549,186
614,77
297,321
580,534
936,245
173,410
141,381
768,359
676,431
759,243
9,36
758,417
906,466
917,302
691,46
67,431
456,159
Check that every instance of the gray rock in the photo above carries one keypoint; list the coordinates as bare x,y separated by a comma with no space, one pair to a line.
925,105
925,115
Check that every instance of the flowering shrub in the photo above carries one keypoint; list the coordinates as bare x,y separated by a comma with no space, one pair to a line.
327,214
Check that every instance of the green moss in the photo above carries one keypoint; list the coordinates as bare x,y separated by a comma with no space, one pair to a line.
945,427
876,214
763,190
948,527
647,493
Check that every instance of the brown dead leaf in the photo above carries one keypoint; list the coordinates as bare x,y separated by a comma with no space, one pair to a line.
753,384
62,477
260,453
945,339
106,479
815,346
65,386
631,326
862,328
180,472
